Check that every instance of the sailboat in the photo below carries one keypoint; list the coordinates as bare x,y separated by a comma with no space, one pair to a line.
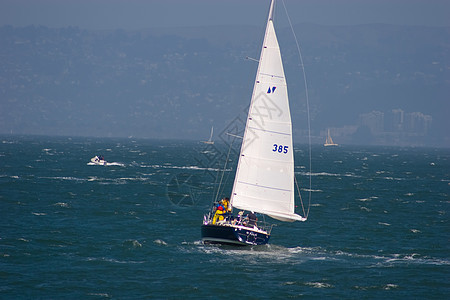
329,140
264,180
210,141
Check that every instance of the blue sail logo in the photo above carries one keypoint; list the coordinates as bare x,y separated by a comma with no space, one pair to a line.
271,89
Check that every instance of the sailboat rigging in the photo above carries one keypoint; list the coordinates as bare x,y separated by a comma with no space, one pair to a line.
264,181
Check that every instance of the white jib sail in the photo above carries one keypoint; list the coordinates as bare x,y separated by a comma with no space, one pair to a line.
264,181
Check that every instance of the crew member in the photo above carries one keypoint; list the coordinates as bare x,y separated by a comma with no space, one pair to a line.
220,210
252,219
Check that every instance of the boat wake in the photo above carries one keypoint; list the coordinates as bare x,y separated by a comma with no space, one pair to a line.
106,164
299,255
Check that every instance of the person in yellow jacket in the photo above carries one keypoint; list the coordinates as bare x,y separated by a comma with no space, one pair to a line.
226,204
222,208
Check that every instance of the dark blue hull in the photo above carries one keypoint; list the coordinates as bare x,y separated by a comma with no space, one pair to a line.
233,235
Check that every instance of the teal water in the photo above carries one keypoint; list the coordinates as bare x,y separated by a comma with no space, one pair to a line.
378,225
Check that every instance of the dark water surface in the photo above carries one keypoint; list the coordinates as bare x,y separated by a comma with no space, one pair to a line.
378,225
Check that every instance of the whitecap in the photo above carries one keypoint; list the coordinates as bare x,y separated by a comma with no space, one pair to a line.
385,224
364,199
133,243
311,190
196,168
393,178
390,286
148,174
133,179
65,178
319,285
113,260
39,214
318,174
412,256
352,175
160,242
100,295
415,230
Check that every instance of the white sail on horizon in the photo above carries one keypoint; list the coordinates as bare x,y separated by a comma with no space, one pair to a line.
329,140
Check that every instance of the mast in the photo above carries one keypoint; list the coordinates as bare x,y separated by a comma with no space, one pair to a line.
272,2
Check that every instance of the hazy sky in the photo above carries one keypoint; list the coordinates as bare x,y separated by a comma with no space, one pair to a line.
138,14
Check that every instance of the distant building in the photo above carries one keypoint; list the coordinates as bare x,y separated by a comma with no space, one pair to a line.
417,122
374,120
394,120
396,127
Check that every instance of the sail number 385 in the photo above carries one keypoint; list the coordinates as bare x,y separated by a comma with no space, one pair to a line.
280,148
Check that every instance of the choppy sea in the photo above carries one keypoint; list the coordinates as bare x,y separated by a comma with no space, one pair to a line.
378,226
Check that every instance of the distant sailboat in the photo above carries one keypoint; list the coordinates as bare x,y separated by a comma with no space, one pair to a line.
264,181
329,140
210,141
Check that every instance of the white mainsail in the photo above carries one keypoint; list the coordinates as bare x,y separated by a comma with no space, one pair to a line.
264,181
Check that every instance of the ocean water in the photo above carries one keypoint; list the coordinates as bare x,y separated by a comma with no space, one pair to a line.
378,225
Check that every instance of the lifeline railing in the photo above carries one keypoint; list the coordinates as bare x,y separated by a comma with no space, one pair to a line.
229,219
